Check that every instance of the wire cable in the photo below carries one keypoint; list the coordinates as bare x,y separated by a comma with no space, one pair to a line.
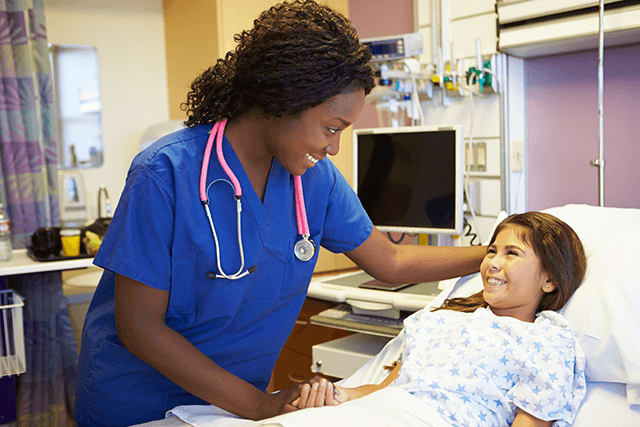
467,181
467,230
396,241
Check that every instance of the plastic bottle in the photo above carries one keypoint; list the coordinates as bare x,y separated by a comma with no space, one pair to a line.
5,236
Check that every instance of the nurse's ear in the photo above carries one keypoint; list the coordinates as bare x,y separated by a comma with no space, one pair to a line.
548,286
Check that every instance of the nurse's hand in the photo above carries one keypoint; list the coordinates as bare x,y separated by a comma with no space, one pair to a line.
280,402
319,393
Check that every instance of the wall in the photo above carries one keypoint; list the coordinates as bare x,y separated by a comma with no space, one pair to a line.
480,117
129,37
562,121
468,20
375,18
191,46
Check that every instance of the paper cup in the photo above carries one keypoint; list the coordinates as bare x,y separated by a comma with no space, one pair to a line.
70,238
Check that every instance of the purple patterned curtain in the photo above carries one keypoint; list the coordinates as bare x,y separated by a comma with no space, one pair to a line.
28,187
28,159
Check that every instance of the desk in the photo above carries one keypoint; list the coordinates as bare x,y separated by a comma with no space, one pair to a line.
325,291
21,263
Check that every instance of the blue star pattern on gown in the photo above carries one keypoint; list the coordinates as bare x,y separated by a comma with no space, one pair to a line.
477,369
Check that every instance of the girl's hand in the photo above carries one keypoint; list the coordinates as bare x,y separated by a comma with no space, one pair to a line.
279,403
320,393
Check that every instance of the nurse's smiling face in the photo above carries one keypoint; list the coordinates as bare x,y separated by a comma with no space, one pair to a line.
299,142
512,274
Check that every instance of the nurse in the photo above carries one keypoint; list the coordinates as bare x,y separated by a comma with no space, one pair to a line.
165,326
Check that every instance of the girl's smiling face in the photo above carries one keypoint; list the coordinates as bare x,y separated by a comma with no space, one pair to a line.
512,274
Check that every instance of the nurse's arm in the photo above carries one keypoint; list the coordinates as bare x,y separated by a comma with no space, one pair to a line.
140,323
414,263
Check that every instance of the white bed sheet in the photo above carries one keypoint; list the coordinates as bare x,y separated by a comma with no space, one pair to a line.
391,406
604,404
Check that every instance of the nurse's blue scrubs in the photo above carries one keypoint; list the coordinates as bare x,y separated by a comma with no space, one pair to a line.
160,236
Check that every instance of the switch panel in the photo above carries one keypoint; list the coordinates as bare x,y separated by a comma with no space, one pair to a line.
516,156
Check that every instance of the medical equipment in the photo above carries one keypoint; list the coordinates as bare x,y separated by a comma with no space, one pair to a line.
409,179
391,48
304,249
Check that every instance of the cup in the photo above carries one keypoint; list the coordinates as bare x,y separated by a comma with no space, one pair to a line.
70,238
45,241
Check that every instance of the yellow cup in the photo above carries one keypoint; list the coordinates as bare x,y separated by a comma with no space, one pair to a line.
70,241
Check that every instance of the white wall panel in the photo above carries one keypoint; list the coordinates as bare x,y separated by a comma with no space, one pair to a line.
518,184
486,114
489,196
461,8
465,31
422,10
427,56
519,10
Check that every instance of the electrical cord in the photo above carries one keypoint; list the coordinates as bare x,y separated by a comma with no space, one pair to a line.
396,241
467,228
467,177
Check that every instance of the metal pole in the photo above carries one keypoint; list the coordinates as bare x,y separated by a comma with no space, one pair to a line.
599,162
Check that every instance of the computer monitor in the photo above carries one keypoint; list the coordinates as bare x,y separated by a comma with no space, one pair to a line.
410,179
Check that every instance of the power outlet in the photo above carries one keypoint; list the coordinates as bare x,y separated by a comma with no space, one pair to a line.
516,156
476,156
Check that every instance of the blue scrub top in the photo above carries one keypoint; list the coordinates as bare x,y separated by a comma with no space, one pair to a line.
160,236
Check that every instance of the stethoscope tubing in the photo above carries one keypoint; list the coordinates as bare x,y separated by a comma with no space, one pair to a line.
301,211
216,134
238,274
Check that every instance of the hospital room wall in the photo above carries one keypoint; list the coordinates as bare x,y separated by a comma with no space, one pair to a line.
562,121
130,41
374,19
468,21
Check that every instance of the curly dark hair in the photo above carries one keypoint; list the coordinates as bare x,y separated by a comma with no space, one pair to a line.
297,55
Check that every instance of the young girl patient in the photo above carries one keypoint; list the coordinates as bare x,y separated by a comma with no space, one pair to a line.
502,356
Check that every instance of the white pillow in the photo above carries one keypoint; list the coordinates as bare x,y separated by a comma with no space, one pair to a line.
605,310
606,307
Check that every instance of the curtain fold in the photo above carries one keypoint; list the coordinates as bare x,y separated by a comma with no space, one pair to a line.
28,166
28,189
46,392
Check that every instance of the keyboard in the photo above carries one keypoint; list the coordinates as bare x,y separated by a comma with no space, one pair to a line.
342,317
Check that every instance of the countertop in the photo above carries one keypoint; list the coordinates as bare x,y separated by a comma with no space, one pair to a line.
21,263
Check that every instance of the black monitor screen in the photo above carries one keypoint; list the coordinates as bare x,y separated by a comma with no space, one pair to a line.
408,179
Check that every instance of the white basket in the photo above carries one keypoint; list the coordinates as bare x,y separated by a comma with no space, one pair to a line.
12,359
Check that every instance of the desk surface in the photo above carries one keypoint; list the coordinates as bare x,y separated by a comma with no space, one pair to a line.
21,263
343,287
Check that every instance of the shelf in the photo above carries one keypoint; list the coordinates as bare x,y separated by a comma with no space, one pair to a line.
21,263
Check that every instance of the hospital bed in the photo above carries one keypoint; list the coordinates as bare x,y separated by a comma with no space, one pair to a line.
605,311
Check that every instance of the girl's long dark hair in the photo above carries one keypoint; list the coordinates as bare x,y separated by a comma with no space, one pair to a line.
561,255
296,56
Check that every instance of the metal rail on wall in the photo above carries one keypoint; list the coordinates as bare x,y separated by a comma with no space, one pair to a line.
599,162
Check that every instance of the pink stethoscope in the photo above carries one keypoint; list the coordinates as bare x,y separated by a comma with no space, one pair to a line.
304,249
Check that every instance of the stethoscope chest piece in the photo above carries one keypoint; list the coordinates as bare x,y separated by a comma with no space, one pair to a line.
304,249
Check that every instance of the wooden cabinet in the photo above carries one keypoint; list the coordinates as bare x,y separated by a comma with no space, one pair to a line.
294,363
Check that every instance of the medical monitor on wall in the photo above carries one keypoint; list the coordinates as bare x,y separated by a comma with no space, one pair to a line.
410,179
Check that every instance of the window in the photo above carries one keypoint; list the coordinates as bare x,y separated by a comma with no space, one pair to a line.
79,108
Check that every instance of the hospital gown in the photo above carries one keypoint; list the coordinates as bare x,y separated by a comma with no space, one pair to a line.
475,368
